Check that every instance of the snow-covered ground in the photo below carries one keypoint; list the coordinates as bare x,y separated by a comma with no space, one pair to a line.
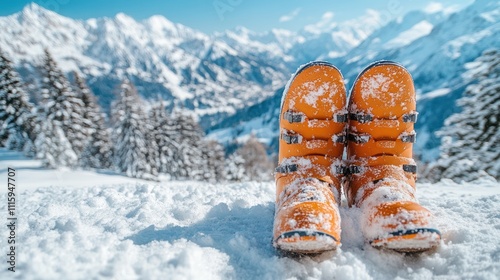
85,225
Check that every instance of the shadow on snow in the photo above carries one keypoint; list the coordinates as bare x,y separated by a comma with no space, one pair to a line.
244,234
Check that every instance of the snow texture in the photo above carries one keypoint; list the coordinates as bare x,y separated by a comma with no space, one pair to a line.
192,230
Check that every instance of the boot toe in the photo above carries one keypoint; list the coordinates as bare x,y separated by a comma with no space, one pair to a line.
307,227
401,225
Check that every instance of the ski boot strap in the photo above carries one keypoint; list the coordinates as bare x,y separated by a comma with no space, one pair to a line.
323,168
366,171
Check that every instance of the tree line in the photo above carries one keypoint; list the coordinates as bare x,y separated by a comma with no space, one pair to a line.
68,128
470,139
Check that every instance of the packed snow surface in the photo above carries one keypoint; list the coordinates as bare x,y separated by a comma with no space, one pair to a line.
109,226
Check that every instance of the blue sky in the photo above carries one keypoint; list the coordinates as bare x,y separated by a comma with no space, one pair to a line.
218,15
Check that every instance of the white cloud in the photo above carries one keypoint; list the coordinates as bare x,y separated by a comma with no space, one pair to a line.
290,16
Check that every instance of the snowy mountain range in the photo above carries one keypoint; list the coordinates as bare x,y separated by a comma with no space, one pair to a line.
233,80
184,66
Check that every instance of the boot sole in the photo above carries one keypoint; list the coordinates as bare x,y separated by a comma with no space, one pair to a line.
410,241
306,242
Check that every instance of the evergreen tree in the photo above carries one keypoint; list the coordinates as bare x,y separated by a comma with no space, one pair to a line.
235,168
188,155
182,152
52,146
152,148
62,104
17,117
129,134
91,112
97,152
164,133
213,161
471,139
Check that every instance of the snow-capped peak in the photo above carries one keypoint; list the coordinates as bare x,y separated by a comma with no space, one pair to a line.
35,9
124,19
240,34
243,30
370,21
434,7
361,27
36,13
325,24
160,23
282,32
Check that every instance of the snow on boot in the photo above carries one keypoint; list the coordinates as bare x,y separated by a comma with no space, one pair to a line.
313,122
382,172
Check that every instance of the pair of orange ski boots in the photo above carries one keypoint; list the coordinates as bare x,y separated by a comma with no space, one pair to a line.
378,174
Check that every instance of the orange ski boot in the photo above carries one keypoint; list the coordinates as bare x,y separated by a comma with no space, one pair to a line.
382,172
313,122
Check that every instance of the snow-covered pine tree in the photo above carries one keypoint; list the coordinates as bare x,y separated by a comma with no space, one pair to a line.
257,164
164,134
189,140
470,145
152,148
235,168
17,116
214,161
52,146
129,134
63,105
92,113
98,151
